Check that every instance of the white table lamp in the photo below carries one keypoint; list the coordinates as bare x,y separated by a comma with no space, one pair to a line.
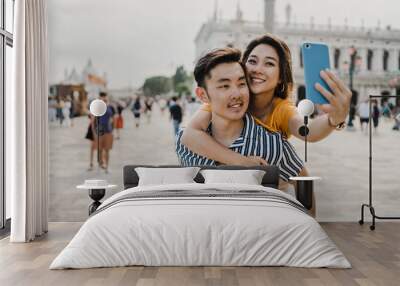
98,107
305,108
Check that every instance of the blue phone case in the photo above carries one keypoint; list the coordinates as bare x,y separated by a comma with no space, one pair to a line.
315,59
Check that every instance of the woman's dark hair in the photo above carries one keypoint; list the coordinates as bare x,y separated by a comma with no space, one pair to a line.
285,87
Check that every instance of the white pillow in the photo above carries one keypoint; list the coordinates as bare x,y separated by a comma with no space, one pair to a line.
248,177
163,176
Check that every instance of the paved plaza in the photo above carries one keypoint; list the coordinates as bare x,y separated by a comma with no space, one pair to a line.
340,160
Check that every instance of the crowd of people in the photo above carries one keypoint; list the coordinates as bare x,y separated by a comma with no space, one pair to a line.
389,111
109,125
61,111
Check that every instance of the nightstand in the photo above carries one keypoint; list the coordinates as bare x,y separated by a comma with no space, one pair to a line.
97,190
304,190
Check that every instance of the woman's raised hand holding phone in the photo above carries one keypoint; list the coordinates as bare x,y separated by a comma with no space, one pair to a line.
339,99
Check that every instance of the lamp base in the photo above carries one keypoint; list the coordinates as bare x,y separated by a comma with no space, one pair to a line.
303,130
96,195
304,193
305,190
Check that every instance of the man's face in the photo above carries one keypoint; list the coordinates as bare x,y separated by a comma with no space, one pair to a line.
104,98
227,91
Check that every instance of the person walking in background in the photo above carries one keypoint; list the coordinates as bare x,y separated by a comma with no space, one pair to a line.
52,109
148,103
163,104
59,110
92,137
363,112
119,121
376,113
386,113
106,138
396,116
66,112
176,114
137,110
72,111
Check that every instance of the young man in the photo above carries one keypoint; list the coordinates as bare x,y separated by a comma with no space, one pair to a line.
221,83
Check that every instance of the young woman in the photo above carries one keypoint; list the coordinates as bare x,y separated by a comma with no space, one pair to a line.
269,74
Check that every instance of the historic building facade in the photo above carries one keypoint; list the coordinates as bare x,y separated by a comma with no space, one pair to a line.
377,60
80,88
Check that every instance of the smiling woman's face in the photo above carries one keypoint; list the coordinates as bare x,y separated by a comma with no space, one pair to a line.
263,69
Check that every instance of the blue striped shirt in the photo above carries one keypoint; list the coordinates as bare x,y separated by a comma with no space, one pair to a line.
254,140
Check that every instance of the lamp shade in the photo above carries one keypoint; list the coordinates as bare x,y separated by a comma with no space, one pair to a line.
305,107
98,107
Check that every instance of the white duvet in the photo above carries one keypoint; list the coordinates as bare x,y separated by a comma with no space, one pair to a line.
200,231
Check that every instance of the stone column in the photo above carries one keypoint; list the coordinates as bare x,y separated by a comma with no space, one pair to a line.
295,51
269,13
332,57
362,92
393,60
363,54
344,57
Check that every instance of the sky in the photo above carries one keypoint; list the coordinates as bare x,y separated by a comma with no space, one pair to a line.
131,40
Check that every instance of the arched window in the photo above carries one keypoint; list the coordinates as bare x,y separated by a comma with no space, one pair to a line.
337,58
370,54
385,60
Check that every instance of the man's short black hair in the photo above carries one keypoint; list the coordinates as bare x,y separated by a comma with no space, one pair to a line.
103,94
209,61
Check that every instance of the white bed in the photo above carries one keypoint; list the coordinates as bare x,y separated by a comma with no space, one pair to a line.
257,226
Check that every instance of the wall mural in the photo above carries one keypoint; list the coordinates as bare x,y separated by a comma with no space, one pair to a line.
140,63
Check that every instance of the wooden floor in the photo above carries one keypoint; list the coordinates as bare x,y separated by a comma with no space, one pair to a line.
374,255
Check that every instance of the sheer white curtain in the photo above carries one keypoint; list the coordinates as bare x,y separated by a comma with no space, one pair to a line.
26,119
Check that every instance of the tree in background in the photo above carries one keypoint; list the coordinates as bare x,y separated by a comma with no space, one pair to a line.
182,82
179,77
157,85
182,88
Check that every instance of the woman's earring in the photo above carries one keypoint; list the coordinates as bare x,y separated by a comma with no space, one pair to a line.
283,88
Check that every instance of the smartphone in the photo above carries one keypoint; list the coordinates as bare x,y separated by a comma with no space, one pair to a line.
315,59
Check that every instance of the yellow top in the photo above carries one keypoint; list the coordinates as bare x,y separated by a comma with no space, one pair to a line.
278,119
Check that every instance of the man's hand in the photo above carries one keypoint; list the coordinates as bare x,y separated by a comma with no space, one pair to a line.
339,99
252,161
